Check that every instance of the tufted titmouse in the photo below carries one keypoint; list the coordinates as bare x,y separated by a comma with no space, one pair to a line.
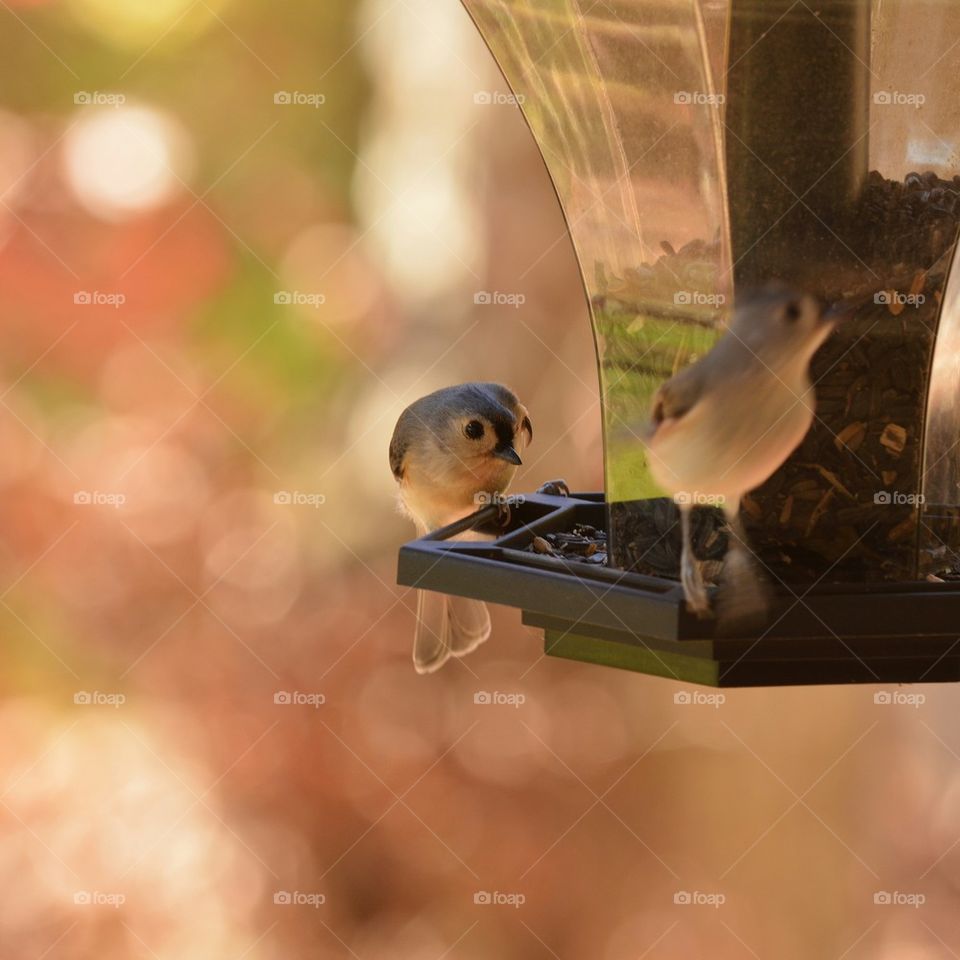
448,448
723,425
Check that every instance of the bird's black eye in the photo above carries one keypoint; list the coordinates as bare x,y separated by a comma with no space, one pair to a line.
473,430
792,313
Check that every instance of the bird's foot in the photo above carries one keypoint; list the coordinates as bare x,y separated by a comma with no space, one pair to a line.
501,501
554,488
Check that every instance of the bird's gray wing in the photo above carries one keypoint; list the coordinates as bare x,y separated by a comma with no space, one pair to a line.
398,446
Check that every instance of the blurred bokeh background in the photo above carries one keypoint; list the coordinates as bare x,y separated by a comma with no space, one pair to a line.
236,239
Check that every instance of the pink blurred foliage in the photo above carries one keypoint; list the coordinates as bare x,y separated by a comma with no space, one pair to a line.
165,264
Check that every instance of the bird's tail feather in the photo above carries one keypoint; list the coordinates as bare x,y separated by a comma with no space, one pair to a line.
469,624
447,626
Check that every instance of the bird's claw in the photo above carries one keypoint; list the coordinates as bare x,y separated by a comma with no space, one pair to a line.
503,513
554,488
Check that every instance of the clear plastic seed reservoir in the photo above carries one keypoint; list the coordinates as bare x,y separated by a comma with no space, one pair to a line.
703,148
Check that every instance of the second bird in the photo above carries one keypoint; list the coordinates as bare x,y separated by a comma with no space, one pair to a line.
723,425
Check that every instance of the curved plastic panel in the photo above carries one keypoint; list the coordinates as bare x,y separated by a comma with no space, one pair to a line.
691,142
940,500
621,100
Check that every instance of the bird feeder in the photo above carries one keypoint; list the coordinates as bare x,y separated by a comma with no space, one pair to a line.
701,148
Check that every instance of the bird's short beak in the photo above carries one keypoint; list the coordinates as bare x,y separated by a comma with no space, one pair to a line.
509,454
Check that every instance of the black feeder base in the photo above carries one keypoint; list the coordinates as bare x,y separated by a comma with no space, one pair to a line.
878,633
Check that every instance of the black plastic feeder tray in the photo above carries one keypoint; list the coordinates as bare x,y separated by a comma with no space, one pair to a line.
877,633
